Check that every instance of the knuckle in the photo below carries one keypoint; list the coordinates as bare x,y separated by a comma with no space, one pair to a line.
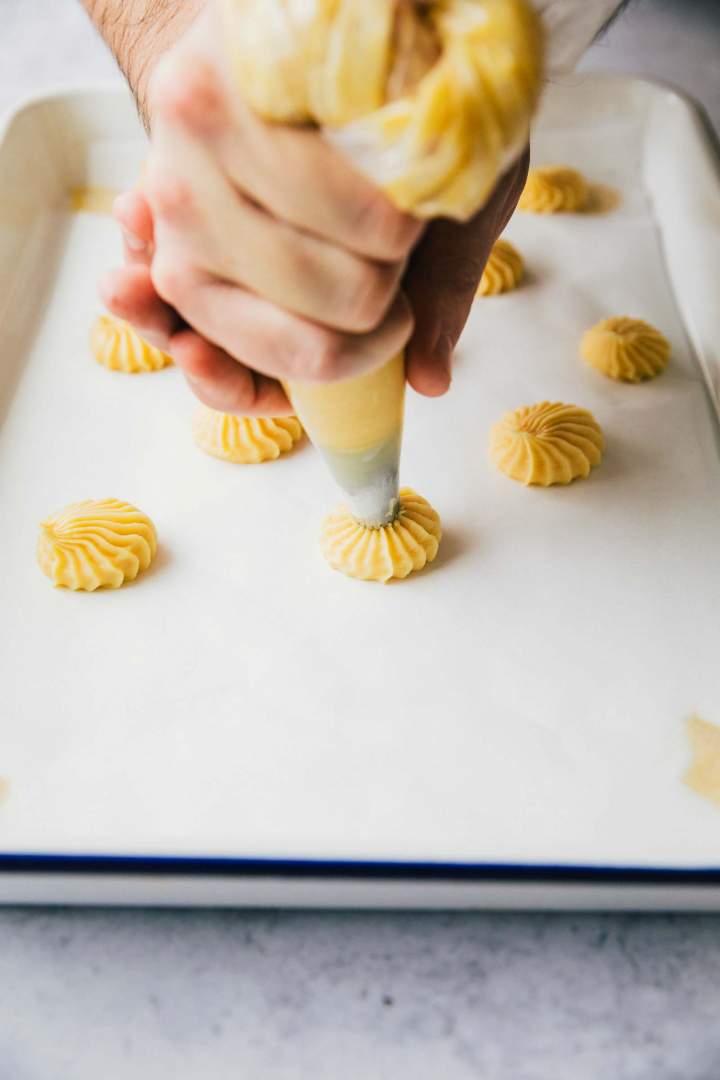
318,354
390,232
170,195
177,81
200,367
170,280
369,294
195,100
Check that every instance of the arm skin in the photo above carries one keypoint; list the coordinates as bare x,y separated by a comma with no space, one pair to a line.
138,32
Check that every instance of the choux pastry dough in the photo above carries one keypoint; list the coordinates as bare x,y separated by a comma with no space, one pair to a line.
244,440
555,189
546,444
504,270
118,347
392,551
628,350
432,102
99,542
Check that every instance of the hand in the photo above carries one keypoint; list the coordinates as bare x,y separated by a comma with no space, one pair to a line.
442,279
271,248
441,282
264,240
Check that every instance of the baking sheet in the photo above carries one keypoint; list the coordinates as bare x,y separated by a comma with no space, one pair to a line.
523,701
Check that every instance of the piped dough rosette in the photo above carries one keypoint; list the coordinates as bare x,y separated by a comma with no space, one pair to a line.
504,270
96,543
244,440
118,347
555,189
549,443
624,349
408,543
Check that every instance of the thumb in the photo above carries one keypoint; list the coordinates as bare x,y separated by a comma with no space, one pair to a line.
442,279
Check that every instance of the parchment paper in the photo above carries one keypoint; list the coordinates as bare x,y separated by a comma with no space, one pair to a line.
524,700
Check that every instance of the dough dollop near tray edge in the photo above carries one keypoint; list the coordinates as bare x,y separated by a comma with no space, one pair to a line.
96,543
625,349
555,189
116,345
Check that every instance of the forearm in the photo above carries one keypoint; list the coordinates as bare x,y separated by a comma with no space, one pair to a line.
138,32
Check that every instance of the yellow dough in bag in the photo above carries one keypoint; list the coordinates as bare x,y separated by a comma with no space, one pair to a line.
431,101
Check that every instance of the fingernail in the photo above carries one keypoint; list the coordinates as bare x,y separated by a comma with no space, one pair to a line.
134,242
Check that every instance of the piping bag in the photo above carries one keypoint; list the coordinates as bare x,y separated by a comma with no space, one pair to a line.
430,100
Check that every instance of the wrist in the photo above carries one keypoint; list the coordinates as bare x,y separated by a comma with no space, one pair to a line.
138,32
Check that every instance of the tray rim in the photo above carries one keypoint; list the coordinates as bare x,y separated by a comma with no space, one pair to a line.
57,92
79,864
354,869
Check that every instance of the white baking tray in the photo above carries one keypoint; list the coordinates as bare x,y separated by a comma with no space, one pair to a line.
242,725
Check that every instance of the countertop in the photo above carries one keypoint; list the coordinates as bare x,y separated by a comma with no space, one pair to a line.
199,994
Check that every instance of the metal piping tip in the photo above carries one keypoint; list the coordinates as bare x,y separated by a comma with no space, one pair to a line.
378,504
370,480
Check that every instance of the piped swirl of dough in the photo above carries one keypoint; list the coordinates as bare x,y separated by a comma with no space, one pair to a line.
432,101
628,350
504,270
244,440
555,189
392,551
546,444
118,347
99,542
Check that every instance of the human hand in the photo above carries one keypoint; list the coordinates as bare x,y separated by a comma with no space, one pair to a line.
259,237
440,282
258,241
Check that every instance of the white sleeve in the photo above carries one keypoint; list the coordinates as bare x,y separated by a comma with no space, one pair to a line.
570,26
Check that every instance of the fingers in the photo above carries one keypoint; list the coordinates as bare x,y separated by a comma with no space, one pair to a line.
130,294
442,280
223,383
216,378
204,222
290,171
254,241
270,339
218,254
326,196
238,324
202,217
441,286
134,216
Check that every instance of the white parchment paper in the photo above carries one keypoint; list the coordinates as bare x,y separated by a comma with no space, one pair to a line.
524,700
